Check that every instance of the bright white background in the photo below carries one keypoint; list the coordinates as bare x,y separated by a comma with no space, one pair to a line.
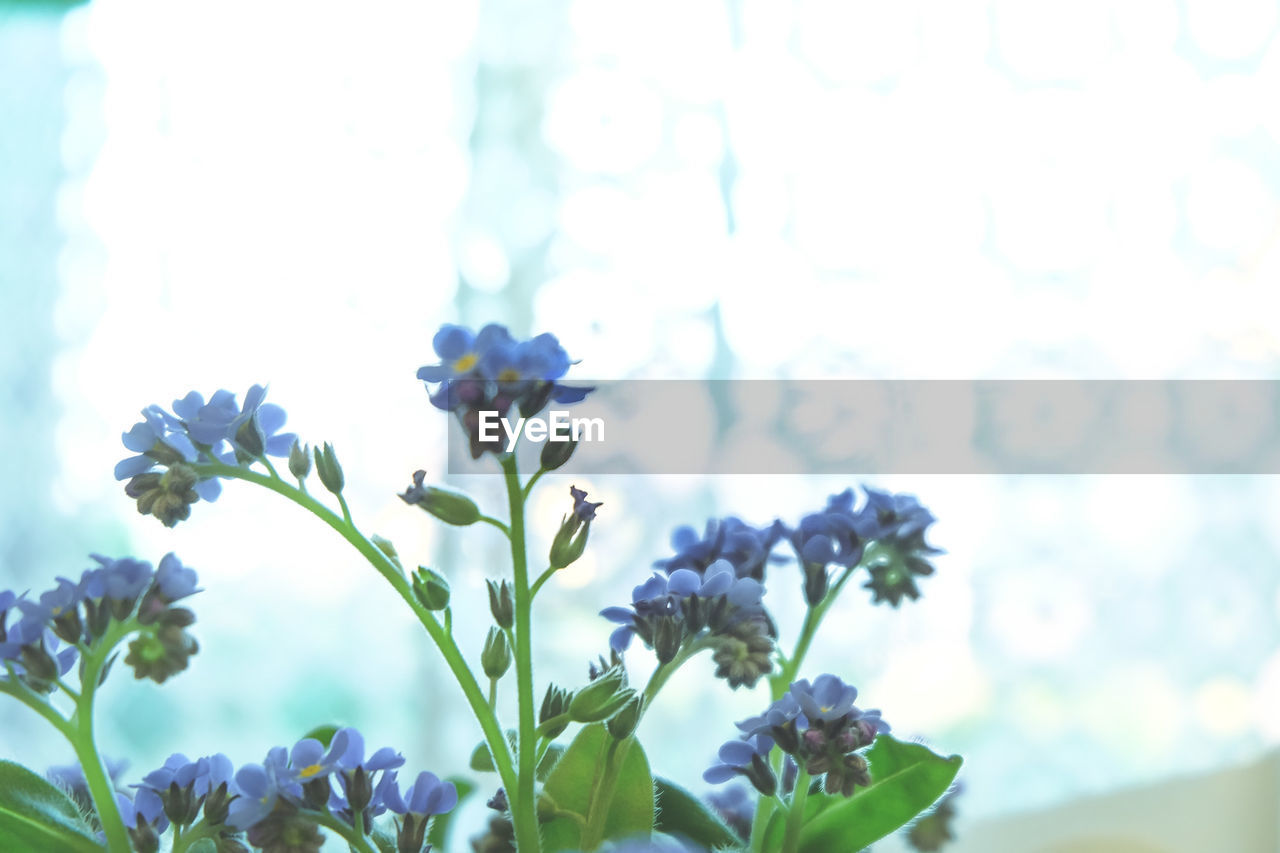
300,193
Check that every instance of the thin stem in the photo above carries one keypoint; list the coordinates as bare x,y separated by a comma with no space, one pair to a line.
795,816
493,694
488,519
358,841
664,671
82,737
493,736
346,511
523,811
267,462
42,706
602,795
542,578
66,688
528,487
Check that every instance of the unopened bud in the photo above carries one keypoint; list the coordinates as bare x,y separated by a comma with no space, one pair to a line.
500,603
431,589
668,635
556,452
569,542
600,699
623,724
495,659
328,469
299,460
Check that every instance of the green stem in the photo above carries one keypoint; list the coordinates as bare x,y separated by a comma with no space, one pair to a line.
82,737
795,816
664,671
542,578
357,840
602,794
528,487
523,808
488,519
493,736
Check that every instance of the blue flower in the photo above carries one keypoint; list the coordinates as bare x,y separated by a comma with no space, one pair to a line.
897,516
584,509
173,580
260,787
251,427
827,699
362,789
492,371
668,611
428,795
139,813
160,437
737,758
819,726
748,549
898,555
120,580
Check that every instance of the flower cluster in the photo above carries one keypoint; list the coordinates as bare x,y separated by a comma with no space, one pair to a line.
815,724
886,535
162,477
746,548
491,371
79,613
897,524
281,803
670,612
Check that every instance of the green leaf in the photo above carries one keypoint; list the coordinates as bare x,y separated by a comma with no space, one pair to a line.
35,815
203,845
906,778
548,762
577,777
681,813
324,734
482,760
383,840
438,834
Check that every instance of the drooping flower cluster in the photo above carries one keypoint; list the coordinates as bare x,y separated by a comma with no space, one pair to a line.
491,371
670,612
817,725
280,803
167,445
897,524
886,535
81,612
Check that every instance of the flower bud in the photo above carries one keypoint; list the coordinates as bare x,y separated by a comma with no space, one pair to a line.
554,704
500,603
449,507
299,460
389,549
555,453
623,724
600,699
249,437
495,659
567,547
431,590
816,583
328,469
668,634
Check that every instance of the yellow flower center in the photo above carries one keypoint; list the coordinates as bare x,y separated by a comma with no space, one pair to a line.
310,770
509,375
465,363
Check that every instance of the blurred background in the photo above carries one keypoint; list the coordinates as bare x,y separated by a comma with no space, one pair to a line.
199,195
